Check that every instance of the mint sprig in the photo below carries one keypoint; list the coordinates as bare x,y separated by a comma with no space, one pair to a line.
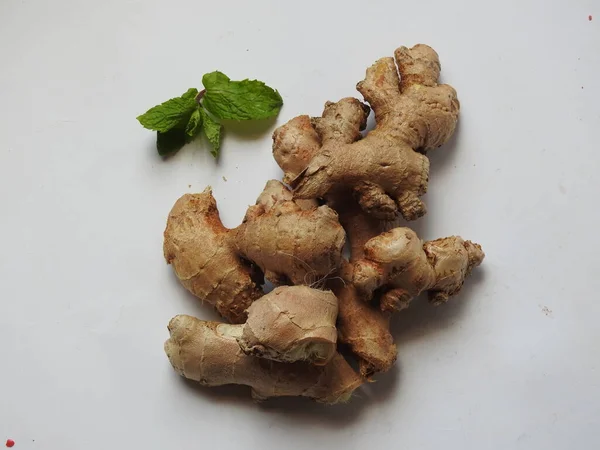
179,120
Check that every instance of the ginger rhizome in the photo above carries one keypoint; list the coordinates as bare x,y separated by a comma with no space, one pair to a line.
402,266
292,323
387,170
279,238
208,352
398,266
348,185
362,326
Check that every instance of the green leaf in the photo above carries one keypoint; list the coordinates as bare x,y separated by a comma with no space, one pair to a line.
239,100
214,78
169,114
171,141
212,130
194,124
190,94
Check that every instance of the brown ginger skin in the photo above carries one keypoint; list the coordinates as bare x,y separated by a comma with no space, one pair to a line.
291,242
296,143
413,115
287,345
361,326
276,192
386,170
403,266
365,329
292,323
218,264
208,352
200,250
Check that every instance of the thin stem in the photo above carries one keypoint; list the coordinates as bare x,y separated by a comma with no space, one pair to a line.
200,95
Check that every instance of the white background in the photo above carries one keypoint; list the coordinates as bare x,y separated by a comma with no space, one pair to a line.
85,295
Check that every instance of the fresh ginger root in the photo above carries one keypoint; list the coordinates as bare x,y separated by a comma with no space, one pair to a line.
208,352
362,326
387,169
202,253
292,323
399,262
288,244
291,241
398,266
284,343
276,192
365,330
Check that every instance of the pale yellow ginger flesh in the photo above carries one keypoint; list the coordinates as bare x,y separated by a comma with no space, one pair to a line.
386,170
208,352
400,263
219,265
292,323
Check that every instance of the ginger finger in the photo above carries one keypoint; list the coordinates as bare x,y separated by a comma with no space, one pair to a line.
363,327
208,352
220,265
400,263
386,169
292,323
198,247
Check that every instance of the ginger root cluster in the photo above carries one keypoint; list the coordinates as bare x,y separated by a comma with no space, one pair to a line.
341,185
